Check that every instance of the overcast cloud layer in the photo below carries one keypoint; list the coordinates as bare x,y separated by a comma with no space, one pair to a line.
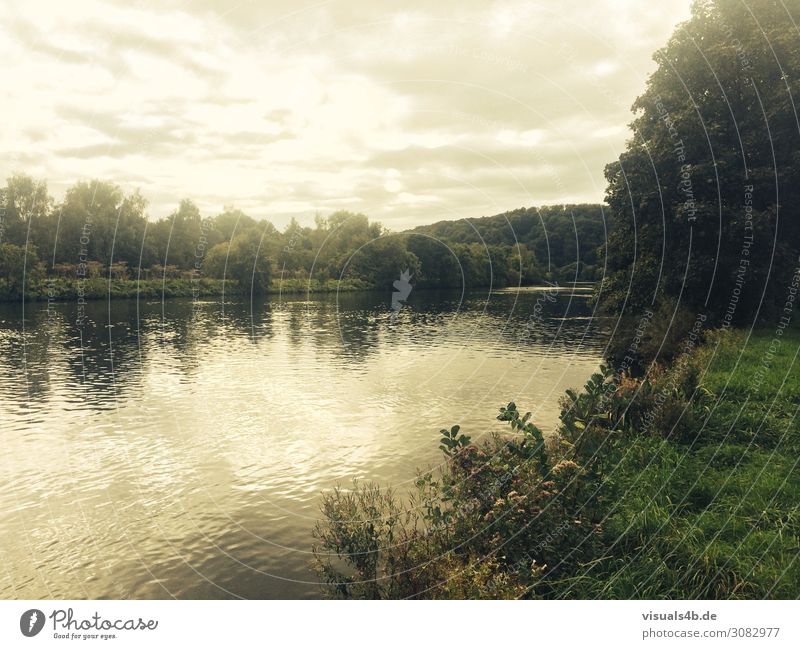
439,109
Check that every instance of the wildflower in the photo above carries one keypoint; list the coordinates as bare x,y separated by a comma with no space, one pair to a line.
565,465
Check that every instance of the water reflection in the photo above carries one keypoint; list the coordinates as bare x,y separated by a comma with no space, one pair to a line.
179,448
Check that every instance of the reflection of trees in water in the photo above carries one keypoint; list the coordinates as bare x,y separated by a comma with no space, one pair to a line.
554,319
110,351
18,358
345,325
111,347
359,324
253,319
36,348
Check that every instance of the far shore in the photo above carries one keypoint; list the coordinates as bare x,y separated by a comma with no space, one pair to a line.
94,289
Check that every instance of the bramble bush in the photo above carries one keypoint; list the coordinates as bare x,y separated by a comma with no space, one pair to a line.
487,525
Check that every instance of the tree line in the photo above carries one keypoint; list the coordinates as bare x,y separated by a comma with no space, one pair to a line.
568,241
99,231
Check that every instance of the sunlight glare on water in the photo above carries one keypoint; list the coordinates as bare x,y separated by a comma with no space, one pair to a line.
179,450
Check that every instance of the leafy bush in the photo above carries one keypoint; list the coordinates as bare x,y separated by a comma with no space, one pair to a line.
488,525
19,267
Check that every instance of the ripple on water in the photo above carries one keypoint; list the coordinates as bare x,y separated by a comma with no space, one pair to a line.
194,468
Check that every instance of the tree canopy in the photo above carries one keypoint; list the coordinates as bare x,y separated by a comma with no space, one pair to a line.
704,199
99,230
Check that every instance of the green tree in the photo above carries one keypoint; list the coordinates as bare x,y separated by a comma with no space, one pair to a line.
380,262
296,251
97,222
438,264
559,236
19,267
704,199
183,235
232,222
242,259
26,206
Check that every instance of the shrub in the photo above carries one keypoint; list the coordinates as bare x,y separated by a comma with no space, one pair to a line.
654,336
498,521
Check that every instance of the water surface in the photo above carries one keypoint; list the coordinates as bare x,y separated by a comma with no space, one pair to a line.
178,449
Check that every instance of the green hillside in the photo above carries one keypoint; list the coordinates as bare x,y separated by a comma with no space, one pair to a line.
561,237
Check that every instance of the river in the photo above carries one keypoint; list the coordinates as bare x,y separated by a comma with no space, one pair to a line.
179,448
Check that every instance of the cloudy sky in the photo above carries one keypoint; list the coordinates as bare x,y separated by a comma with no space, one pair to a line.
410,112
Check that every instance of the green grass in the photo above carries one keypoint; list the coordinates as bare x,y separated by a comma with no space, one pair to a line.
715,515
99,288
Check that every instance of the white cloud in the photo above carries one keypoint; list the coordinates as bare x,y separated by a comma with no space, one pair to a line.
409,115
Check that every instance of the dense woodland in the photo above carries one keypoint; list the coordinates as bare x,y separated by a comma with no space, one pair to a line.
567,241
705,198
98,231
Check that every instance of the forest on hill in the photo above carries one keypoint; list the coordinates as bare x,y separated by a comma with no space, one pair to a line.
100,235
567,241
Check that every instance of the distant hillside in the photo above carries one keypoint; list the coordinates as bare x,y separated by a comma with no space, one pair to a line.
560,236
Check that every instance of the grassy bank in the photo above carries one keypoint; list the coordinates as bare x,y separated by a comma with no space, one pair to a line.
97,288
101,288
682,484
711,510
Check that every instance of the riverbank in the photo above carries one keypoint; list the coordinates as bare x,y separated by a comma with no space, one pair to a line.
683,484
101,288
708,507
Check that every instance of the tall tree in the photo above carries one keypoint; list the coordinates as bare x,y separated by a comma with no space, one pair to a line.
183,231
26,209
244,259
96,222
705,197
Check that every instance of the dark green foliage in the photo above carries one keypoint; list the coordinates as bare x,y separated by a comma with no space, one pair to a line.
18,265
451,441
713,163
531,446
561,242
656,334
241,260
